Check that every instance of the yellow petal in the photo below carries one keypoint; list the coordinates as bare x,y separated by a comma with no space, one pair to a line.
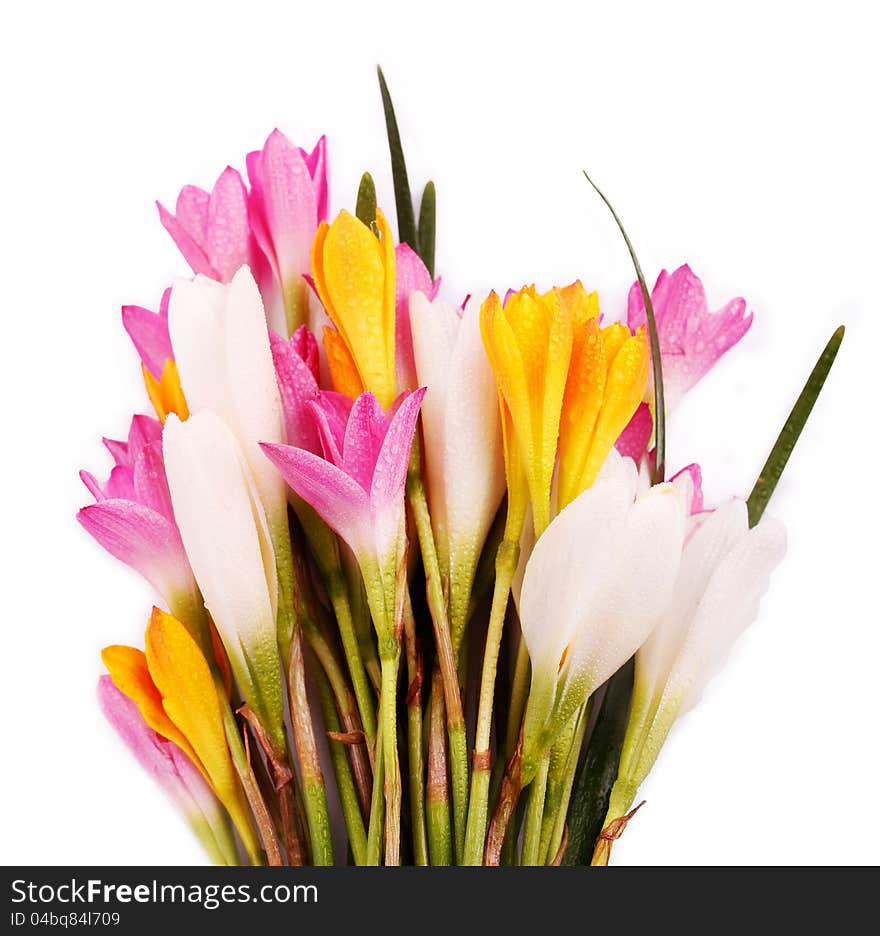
343,370
128,670
189,697
166,394
584,392
580,305
354,275
624,389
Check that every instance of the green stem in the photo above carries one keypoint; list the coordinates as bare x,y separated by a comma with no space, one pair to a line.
388,730
519,693
455,726
414,736
439,824
534,815
478,810
377,807
345,784
311,776
560,779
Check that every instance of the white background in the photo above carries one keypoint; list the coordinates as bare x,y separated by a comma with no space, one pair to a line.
739,137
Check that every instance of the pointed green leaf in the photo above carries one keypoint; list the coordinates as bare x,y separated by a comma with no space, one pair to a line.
406,220
656,363
589,801
428,226
366,200
788,436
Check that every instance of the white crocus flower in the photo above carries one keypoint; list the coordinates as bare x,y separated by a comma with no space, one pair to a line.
725,570
463,455
595,585
221,346
226,536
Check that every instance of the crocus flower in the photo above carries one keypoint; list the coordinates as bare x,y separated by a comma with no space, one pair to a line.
221,344
176,695
411,277
463,450
287,202
528,340
296,368
358,486
173,770
226,534
149,334
725,570
692,339
354,275
606,381
595,585
134,521
211,230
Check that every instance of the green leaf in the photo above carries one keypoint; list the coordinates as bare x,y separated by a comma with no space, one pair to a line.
406,220
589,801
366,200
656,363
428,226
788,436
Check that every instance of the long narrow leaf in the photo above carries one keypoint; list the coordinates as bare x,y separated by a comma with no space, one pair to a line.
790,432
406,220
366,200
428,226
656,363
589,801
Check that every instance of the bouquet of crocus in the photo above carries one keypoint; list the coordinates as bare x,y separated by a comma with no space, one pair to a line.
424,582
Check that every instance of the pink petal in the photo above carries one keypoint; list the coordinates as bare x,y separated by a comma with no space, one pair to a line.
163,760
364,435
331,411
192,252
633,441
141,538
392,462
338,499
150,483
298,386
149,335
227,236
318,169
692,339
282,183
120,484
306,346
91,482
412,276
192,209
695,484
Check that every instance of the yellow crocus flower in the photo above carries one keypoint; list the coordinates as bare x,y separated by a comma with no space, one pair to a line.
175,692
354,274
606,382
528,341
166,394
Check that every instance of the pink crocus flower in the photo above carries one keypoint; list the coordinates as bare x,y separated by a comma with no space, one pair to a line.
288,200
357,488
133,520
412,276
211,229
692,340
149,334
175,773
297,365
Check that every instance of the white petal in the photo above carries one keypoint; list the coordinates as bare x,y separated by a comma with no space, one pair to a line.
729,604
636,589
566,569
617,467
225,535
713,539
